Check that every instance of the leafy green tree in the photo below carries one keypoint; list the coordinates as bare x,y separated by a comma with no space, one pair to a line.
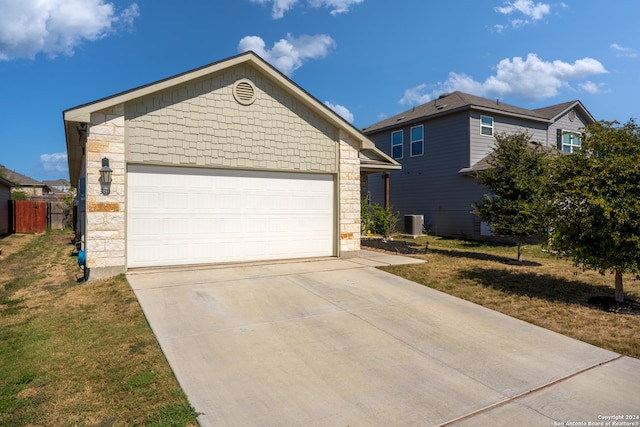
514,203
595,201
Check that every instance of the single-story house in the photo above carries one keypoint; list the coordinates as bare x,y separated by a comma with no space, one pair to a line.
5,197
24,184
230,162
443,143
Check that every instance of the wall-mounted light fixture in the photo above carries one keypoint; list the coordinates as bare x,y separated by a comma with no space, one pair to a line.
105,177
82,135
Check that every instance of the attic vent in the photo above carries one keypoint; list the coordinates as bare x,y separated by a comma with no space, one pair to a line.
440,106
244,92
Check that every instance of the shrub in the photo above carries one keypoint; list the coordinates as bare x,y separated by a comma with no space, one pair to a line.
365,216
384,220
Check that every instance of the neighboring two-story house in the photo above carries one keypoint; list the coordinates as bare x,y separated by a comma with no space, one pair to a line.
442,144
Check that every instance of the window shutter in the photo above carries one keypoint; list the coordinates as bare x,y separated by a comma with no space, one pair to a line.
559,139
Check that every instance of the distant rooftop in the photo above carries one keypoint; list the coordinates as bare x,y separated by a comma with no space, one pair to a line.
19,179
458,101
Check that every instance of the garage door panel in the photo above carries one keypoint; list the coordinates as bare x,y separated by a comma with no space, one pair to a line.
192,216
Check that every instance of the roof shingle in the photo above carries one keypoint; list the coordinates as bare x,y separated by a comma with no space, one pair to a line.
457,101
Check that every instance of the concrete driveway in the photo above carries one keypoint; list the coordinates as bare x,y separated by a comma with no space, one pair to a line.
337,342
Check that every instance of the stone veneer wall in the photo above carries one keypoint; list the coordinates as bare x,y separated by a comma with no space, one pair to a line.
105,217
349,194
105,238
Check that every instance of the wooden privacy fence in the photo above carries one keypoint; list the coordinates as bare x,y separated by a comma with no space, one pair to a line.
30,216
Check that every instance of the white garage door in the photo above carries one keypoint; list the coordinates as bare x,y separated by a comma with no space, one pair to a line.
178,216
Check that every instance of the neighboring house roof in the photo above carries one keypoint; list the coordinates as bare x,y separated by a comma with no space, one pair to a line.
6,183
485,163
19,179
57,183
54,190
459,101
553,111
75,119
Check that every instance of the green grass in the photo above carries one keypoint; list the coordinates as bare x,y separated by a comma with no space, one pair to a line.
77,353
544,289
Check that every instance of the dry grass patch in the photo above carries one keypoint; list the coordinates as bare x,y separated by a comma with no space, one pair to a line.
78,353
544,290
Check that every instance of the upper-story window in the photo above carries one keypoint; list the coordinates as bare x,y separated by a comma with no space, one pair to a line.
570,142
396,144
486,125
417,141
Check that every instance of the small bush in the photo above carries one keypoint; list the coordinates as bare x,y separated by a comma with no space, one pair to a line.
365,216
384,220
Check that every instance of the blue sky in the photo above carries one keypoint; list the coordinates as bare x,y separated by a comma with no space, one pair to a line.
366,59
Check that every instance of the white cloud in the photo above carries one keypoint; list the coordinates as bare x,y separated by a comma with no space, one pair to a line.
533,79
524,10
56,162
341,111
624,52
415,95
530,79
29,27
591,87
289,54
129,15
337,6
280,7
526,7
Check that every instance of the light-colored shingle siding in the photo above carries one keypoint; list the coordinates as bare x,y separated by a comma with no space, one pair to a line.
201,124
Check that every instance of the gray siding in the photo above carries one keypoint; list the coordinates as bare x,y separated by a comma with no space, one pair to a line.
201,124
5,196
430,185
565,124
482,145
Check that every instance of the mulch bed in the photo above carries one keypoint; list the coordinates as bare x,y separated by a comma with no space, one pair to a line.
393,246
609,304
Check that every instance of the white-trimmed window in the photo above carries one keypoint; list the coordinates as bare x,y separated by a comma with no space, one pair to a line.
417,141
396,144
486,125
570,142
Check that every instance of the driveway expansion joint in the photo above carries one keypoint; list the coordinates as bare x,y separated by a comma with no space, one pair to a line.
529,392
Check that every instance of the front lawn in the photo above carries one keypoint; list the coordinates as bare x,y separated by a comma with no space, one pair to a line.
77,353
544,290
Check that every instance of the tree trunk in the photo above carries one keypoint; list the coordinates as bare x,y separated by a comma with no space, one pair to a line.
519,249
619,288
